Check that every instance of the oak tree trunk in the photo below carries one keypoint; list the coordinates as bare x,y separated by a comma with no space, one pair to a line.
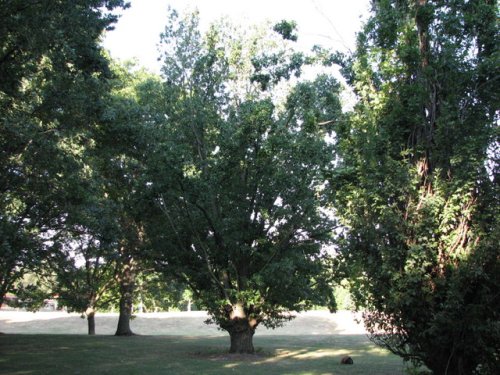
241,334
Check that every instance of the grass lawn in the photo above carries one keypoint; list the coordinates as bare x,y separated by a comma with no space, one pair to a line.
300,348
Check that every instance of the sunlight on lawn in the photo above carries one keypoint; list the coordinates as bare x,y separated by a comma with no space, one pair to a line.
13,317
155,355
184,323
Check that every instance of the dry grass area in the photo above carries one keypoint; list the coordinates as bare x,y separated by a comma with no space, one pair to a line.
174,323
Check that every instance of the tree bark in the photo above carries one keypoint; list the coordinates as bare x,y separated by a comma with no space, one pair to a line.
241,331
127,287
123,328
242,341
240,327
91,321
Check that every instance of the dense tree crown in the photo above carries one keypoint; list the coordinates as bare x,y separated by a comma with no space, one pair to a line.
232,175
51,78
413,188
238,183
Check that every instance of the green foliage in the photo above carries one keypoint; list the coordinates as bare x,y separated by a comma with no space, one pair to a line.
31,293
342,295
417,202
99,235
286,30
84,267
218,182
51,74
238,183
271,68
155,292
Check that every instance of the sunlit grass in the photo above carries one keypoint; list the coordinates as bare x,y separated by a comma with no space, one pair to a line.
79,354
180,343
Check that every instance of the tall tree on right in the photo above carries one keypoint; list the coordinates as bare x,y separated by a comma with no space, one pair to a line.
417,182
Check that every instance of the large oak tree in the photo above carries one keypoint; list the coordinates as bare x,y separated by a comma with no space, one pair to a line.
238,181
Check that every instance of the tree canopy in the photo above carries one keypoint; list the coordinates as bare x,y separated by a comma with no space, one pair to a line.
239,185
52,73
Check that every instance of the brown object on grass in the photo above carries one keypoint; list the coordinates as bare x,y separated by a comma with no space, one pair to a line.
346,360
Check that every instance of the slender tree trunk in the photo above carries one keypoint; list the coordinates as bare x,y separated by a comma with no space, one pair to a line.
4,288
91,320
127,287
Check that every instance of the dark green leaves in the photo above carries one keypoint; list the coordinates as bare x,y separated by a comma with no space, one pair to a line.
411,183
239,211
286,30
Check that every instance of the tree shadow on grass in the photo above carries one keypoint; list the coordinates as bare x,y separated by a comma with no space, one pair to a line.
279,354
313,344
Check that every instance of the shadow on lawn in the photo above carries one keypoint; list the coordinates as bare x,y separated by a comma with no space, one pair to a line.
278,354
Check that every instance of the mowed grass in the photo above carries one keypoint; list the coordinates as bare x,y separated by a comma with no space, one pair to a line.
288,353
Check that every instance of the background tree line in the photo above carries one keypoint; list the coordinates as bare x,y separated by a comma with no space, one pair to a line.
235,177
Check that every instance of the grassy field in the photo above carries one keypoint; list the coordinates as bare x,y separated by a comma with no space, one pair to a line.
181,344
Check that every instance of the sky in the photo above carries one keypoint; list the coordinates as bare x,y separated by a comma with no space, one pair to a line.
331,23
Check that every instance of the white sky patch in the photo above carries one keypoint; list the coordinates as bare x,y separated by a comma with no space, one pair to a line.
278,202
331,23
